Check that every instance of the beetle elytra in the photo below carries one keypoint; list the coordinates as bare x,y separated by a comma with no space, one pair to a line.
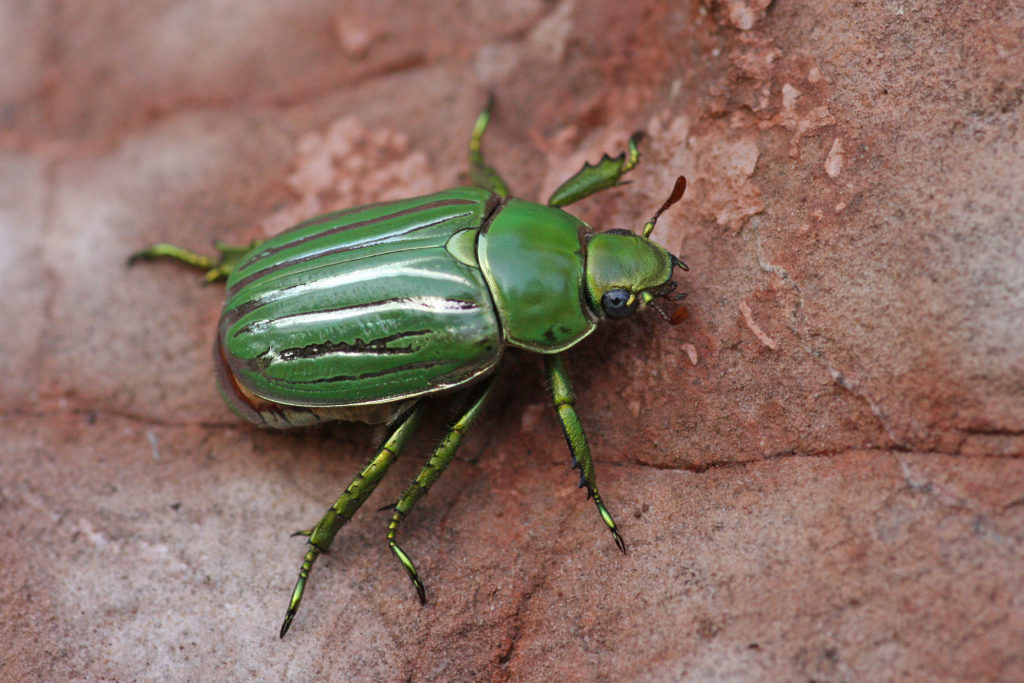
357,314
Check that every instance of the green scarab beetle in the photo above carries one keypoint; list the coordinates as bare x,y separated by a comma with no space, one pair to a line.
356,314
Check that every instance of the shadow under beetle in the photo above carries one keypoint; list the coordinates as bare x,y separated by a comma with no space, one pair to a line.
356,314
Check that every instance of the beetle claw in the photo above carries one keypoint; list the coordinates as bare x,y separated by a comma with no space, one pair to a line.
287,623
618,540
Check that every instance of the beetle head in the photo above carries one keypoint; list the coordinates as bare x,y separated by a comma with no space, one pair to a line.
626,272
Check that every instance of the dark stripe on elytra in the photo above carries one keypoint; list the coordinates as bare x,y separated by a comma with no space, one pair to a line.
236,313
371,375
266,273
375,347
342,228
461,305
335,215
319,218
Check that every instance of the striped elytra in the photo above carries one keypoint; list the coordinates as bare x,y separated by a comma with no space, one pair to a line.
363,307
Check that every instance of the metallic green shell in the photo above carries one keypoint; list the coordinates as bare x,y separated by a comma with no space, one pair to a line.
533,258
363,306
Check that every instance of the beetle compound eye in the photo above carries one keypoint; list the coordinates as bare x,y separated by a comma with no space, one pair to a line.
616,303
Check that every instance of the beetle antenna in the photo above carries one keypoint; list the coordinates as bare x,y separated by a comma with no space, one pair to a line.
677,194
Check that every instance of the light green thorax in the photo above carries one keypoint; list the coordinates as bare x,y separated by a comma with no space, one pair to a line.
622,260
532,257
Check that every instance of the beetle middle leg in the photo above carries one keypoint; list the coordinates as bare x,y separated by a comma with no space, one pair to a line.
435,466
565,401
322,535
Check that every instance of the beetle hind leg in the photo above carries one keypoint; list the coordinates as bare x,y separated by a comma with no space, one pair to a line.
480,173
430,473
216,267
565,402
319,538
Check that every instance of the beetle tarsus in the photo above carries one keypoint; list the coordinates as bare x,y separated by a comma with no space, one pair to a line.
287,623
572,428
610,523
300,587
618,541
410,569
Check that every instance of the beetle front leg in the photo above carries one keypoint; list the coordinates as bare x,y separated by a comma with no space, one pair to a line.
322,535
591,179
216,267
565,402
430,473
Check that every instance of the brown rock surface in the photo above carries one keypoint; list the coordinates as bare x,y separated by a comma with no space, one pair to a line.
820,473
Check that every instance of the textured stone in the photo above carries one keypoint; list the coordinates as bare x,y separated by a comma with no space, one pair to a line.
819,472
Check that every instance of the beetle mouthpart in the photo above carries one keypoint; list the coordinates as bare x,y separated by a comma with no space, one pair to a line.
667,289
679,313
675,297
662,313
